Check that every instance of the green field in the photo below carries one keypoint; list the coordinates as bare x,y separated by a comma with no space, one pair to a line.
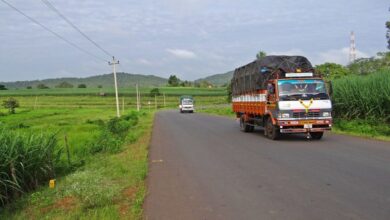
123,91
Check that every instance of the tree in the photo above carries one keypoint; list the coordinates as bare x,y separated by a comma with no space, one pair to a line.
64,85
83,86
42,86
332,70
154,92
229,92
2,87
11,104
388,34
100,86
29,87
173,80
261,54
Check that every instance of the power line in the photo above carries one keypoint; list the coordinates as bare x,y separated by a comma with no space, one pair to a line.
50,6
54,33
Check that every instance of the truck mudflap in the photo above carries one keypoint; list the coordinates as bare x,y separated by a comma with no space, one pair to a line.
303,130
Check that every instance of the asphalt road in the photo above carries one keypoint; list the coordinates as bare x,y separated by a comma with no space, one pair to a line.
203,167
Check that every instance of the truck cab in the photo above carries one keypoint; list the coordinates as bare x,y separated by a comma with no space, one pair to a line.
186,104
299,105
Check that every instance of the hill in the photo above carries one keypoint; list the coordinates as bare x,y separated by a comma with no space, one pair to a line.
218,79
106,80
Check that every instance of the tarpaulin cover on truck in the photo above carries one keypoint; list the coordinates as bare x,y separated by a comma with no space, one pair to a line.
254,76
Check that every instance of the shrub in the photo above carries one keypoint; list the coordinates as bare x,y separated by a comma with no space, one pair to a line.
83,86
11,104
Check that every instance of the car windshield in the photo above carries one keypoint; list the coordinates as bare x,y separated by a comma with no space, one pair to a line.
295,89
187,102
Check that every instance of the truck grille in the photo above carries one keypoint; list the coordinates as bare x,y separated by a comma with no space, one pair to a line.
306,115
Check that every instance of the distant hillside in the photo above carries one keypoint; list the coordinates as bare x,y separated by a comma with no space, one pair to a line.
106,80
218,79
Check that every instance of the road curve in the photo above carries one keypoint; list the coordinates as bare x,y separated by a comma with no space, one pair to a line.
203,167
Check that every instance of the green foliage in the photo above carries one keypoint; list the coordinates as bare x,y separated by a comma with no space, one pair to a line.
203,84
82,86
100,86
113,133
364,97
64,85
154,92
42,86
229,92
2,87
332,70
11,104
186,84
29,87
261,54
26,161
173,80
388,34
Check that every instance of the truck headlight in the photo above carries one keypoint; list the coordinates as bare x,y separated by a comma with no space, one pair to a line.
284,115
325,114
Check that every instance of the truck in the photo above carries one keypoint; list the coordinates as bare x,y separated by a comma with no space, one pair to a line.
186,104
283,94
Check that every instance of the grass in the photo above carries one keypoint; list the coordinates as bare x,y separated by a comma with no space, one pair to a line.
363,97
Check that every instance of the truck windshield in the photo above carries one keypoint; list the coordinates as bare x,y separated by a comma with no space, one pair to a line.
304,89
186,102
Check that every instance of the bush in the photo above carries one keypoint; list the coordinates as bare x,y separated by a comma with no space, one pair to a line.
82,86
154,92
2,87
113,133
64,85
42,86
11,104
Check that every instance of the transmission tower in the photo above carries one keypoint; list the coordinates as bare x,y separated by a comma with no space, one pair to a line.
352,48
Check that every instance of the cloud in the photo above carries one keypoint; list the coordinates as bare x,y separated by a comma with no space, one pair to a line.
182,54
290,52
144,62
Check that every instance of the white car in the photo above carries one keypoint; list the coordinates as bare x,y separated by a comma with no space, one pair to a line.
186,105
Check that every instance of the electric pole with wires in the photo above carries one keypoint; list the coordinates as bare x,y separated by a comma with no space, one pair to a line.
113,63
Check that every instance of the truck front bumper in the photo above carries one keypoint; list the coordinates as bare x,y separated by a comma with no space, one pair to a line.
304,126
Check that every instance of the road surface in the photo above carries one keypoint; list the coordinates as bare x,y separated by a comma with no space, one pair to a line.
203,167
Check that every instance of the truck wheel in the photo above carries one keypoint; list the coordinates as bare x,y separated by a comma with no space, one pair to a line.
270,130
244,126
316,135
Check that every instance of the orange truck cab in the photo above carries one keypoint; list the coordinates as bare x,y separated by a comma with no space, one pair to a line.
283,94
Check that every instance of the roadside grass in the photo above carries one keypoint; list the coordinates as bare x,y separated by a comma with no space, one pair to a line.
362,128
108,186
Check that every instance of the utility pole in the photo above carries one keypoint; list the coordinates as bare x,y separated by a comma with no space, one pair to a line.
164,101
155,101
352,48
137,94
123,105
113,63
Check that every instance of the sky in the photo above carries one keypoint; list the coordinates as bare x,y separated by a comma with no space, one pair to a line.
188,38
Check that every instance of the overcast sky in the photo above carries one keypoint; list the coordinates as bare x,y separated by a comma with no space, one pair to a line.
189,38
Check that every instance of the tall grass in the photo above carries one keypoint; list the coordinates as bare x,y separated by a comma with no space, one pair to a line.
363,97
26,161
